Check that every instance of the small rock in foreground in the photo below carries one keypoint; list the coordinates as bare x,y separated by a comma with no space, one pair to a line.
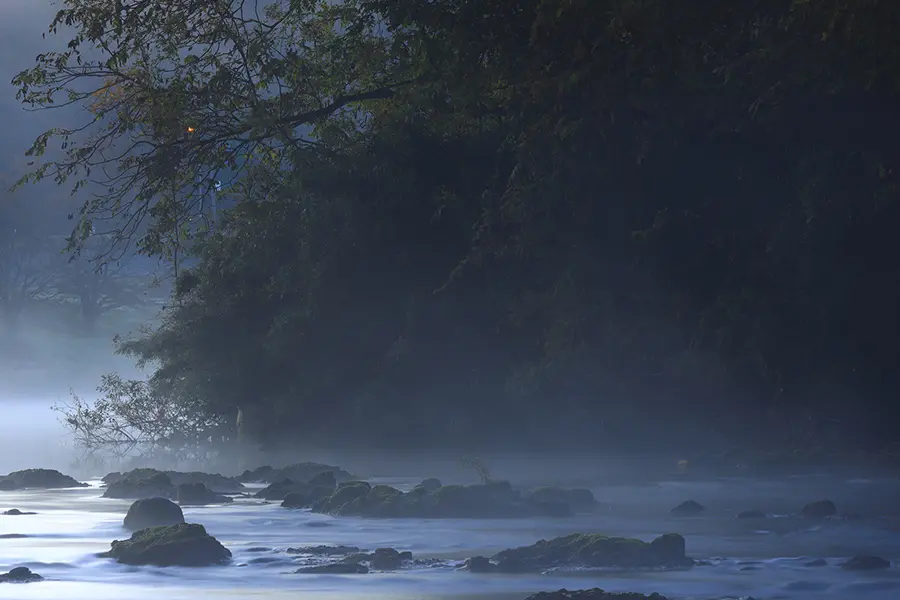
20,575
183,545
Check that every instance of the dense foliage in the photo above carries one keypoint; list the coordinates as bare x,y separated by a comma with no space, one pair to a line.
572,223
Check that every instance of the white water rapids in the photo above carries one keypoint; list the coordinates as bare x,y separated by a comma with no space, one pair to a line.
763,559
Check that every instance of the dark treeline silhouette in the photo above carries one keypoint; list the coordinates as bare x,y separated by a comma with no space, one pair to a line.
584,224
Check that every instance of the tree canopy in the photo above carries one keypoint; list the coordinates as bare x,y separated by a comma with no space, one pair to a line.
572,222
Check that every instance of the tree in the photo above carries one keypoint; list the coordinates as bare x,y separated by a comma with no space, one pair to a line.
29,265
186,89
98,288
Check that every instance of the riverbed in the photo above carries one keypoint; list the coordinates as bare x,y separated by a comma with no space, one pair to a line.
764,559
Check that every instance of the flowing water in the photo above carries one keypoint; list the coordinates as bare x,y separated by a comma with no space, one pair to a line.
763,559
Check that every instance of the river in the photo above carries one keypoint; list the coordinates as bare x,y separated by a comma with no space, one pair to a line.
761,559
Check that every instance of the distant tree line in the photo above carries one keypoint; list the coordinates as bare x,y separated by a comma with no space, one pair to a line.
578,223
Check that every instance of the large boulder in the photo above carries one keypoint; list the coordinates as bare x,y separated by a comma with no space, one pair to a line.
197,494
46,479
491,500
133,487
184,545
20,575
215,482
297,472
593,594
592,551
152,512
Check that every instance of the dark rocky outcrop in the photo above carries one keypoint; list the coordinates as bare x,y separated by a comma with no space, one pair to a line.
751,514
866,562
593,594
197,494
430,485
297,494
15,512
20,575
491,500
46,479
386,559
135,486
185,545
578,500
688,508
819,509
589,550
297,472
152,512
215,482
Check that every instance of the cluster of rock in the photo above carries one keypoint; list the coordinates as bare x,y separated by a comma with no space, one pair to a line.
46,479
592,594
192,488
297,472
820,509
353,561
430,499
588,551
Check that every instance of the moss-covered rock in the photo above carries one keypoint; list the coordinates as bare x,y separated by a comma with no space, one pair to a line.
134,487
20,575
185,545
590,550
46,479
152,512
197,494
297,472
593,594
217,483
491,500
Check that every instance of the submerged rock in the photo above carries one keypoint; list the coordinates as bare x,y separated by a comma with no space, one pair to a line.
342,568
819,509
866,563
325,550
15,512
688,507
491,500
590,550
184,545
20,575
197,494
132,487
152,512
215,482
46,479
297,472
593,594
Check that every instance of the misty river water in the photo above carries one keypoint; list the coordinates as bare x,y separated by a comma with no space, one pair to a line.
763,559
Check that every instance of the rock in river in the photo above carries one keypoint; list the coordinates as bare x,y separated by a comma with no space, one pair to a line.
865,562
153,512
133,487
38,478
589,550
688,507
594,594
15,512
296,472
185,545
197,494
20,575
215,482
496,499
